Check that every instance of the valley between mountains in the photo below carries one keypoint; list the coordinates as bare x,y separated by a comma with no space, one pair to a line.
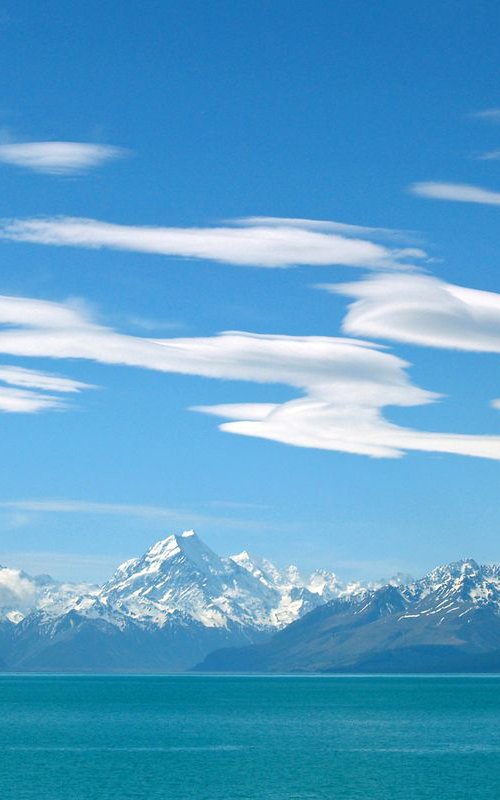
181,607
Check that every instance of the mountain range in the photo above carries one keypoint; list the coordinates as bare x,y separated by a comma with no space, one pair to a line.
180,606
449,621
163,611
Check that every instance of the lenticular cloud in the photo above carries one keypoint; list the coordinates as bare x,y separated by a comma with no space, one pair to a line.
58,158
253,242
422,310
339,388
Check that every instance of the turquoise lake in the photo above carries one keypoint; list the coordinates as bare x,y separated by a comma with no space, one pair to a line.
251,738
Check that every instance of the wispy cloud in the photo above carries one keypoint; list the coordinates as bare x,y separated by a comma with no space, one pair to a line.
26,389
457,192
19,376
20,401
280,243
59,158
339,387
166,514
62,506
344,228
491,155
423,310
488,114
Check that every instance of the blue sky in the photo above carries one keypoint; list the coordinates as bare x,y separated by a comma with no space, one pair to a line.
204,142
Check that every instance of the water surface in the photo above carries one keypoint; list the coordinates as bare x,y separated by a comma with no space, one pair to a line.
249,738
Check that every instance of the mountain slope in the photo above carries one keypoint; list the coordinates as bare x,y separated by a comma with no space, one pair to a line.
448,621
75,642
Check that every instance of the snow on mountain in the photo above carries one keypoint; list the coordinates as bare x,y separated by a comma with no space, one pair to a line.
21,594
447,587
181,574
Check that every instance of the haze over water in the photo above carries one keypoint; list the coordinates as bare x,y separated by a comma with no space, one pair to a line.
249,738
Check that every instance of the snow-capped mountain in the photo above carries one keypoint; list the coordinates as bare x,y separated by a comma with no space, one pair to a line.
447,621
166,609
460,581
182,574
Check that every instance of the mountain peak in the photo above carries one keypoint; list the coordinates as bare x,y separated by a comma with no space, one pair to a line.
465,564
455,570
243,556
172,545
182,574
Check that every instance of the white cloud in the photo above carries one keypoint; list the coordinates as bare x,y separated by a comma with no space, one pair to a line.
457,192
20,401
22,593
424,310
58,158
18,396
280,243
339,387
19,376
17,591
354,427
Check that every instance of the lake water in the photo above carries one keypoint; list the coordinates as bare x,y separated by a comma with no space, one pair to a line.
249,738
